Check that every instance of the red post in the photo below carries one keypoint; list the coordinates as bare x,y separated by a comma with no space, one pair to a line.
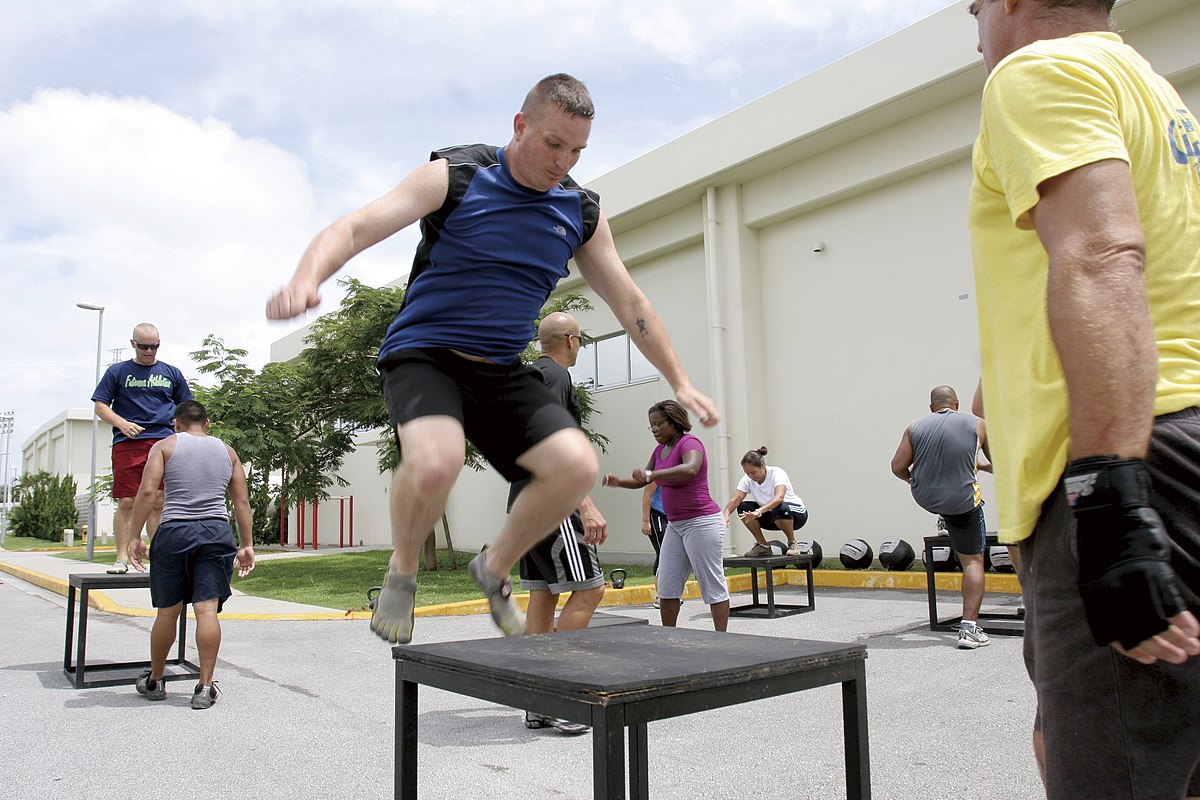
300,524
341,522
352,520
314,523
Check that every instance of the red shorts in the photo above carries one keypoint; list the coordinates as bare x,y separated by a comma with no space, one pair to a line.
128,461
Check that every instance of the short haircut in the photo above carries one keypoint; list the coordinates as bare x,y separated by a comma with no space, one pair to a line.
190,412
560,90
755,457
1095,5
674,413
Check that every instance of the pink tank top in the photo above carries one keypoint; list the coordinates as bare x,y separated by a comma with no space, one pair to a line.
688,499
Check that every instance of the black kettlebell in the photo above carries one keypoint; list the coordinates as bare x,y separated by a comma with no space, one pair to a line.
618,581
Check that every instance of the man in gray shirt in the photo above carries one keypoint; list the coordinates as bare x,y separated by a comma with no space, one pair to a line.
194,549
939,457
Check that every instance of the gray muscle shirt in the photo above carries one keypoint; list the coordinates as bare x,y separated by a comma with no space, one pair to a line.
196,477
943,471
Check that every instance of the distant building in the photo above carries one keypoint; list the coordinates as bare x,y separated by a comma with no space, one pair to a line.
63,446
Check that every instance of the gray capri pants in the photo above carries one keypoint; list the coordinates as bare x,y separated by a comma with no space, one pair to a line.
694,545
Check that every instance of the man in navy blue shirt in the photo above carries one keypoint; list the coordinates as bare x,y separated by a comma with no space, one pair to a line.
138,398
499,225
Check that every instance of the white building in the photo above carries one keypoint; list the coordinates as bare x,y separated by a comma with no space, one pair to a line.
809,255
63,446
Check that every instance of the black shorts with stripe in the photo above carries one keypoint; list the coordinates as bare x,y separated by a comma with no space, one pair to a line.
562,562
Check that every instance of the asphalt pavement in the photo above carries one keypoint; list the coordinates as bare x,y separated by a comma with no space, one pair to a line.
307,710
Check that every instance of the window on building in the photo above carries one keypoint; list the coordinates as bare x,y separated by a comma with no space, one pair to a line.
609,362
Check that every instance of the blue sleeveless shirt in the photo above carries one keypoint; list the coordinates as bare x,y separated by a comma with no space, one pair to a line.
489,258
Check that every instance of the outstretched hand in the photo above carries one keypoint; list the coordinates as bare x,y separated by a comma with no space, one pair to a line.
700,405
293,300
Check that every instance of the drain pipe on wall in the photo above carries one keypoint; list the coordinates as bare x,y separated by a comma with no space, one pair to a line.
716,337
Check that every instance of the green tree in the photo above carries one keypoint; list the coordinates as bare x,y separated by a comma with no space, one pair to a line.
47,506
303,415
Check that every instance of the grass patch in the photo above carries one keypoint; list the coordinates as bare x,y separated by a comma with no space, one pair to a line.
28,543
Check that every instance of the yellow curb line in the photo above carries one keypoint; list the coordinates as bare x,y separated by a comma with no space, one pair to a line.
632,595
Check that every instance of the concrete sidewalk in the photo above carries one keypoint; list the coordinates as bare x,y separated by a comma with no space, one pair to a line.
307,710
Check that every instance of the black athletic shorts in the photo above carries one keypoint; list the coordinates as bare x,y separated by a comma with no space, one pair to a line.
769,521
504,409
967,531
562,562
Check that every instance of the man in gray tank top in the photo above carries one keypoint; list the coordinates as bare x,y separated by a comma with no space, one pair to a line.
194,549
939,456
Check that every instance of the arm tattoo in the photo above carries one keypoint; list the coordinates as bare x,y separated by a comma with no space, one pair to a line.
641,326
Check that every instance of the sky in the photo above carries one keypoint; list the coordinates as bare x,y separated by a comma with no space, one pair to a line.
171,161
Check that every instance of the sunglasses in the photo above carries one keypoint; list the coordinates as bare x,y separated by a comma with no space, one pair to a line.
141,346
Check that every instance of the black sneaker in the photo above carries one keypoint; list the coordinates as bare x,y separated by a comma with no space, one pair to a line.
151,689
204,696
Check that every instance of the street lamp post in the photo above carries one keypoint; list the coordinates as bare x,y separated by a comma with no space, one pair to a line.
91,535
6,430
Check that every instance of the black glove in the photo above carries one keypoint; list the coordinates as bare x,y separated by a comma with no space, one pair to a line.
1125,578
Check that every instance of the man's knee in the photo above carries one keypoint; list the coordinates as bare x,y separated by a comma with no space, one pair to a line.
432,451
125,505
589,597
566,456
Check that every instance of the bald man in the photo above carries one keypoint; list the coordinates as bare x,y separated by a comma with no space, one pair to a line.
566,560
939,457
137,398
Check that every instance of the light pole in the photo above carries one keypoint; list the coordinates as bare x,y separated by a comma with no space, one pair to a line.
6,430
91,534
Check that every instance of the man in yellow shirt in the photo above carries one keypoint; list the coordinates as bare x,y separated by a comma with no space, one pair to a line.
1085,222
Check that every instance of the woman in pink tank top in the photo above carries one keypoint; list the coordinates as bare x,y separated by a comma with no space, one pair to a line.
695,536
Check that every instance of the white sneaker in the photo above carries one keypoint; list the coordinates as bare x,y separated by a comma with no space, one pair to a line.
794,549
970,639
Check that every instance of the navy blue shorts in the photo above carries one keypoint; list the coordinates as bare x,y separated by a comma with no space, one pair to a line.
192,561
504,409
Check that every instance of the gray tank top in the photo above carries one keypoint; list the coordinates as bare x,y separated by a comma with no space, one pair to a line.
196,477
943,470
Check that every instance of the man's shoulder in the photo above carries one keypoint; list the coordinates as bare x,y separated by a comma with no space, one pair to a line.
484,155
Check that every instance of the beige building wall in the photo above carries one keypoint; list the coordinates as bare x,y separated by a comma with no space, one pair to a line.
63,446
809,255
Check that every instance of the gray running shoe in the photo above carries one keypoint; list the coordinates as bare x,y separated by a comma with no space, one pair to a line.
151,689
794,549
758,551
392,616
204,696
973,638
505,612
568,727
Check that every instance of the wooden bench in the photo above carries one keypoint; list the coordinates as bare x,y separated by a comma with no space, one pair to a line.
82,583
771,609
599,677
1009,624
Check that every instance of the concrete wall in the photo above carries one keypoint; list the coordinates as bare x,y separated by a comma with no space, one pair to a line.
63,446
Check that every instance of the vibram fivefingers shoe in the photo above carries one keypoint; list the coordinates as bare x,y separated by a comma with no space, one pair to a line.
505,612
392,615
151,689
204,696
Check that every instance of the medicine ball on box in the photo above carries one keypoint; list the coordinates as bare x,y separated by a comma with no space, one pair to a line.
944,559
896,554
856,554
1000,558
811,547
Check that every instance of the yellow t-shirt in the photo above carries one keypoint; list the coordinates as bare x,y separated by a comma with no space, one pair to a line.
1048,108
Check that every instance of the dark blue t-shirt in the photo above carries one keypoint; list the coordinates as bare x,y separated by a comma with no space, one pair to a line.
145,395
489,258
